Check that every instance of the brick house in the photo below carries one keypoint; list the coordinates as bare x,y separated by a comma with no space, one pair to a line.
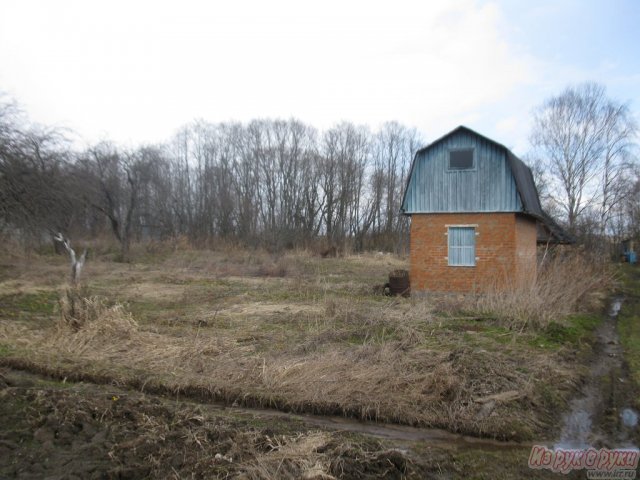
475,216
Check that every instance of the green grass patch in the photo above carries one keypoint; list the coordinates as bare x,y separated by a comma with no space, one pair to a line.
5,350
499,334
28,304
629,320
630,278
498,464
576,330
629,328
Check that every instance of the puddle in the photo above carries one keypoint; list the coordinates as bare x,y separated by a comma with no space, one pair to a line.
629,418
399,433
615,307
577,426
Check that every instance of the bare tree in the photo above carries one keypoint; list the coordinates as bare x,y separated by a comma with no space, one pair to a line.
114,183
35,197
584,139
625,216
76,263
345,152
618,160
393,149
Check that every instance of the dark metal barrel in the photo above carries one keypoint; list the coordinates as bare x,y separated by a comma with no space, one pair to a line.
399,283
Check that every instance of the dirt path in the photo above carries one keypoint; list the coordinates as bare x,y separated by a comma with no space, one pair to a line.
55,430
398,435
600,417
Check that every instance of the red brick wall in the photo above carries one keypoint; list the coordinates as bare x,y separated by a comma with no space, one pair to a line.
527,249
505,251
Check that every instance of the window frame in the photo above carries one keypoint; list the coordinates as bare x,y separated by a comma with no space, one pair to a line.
474,228
461,149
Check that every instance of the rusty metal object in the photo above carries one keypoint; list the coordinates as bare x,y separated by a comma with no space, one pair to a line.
399,283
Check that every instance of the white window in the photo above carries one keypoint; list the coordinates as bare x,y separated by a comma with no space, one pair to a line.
462,246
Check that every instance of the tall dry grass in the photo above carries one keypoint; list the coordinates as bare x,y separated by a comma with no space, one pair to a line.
565,284
337,350
93,316
370,361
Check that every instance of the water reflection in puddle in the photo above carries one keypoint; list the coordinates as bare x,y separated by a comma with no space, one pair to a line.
629,417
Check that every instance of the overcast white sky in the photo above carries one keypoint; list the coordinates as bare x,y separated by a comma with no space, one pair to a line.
134,71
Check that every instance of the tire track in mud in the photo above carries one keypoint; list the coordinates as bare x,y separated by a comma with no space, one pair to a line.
400,435
599,416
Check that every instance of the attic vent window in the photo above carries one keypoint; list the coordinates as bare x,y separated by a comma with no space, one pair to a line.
461,159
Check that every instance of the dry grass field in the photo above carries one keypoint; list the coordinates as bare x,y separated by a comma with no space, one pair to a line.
295,333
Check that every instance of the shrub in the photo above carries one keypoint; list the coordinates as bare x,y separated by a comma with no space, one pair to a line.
93,315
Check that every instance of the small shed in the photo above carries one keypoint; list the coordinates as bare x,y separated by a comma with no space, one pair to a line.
475,215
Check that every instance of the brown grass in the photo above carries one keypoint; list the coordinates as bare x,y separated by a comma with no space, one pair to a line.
353,360
292,457
566,284
316,343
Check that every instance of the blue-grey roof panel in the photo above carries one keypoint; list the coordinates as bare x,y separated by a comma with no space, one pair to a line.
490,186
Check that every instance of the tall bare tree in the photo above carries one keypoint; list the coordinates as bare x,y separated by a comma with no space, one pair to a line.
584,139
114,181
35,198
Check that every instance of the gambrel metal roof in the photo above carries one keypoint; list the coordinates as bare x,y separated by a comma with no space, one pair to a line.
525,186
501,164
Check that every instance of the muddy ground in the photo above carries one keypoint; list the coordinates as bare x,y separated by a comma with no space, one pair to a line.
53,430
603,413
58,430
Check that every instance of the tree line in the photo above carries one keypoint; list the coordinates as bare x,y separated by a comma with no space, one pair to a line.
272,183
283,184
